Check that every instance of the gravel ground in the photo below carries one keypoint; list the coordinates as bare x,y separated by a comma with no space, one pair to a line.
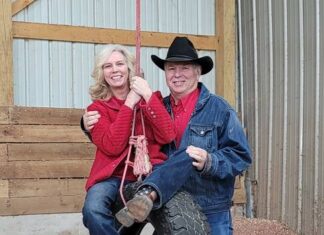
244,226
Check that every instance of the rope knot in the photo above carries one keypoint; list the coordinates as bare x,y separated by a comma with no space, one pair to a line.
142,164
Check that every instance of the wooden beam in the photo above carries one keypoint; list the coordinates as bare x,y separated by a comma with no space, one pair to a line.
41,205
48,151
4,188
6,67
239,196
45,169
103,36
45,187
225,56
41,134
3,152
40,115
4,114
20,5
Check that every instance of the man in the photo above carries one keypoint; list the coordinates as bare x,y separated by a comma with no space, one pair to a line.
210,148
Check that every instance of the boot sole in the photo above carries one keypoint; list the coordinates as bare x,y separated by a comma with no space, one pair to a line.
124,217
140,207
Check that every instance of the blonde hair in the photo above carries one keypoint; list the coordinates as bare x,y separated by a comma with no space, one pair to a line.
100,89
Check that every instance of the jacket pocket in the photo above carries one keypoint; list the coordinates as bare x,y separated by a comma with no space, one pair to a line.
202,136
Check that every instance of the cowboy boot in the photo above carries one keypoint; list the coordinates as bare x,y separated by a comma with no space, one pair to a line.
138,208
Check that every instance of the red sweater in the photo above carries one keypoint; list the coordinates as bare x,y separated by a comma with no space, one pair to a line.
111,134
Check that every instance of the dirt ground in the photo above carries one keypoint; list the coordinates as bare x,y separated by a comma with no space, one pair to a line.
244,226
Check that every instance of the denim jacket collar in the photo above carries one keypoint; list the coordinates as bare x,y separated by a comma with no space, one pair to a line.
202,100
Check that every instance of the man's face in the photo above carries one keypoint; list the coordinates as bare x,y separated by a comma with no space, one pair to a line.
181,78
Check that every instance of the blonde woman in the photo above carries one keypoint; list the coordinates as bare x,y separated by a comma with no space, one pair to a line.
115,94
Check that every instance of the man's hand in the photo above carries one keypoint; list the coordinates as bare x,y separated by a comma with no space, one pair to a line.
89,119
199,156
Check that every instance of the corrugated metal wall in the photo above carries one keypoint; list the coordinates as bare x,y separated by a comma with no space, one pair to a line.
57,74
282,96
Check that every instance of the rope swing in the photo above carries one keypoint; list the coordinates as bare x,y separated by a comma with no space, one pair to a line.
141,165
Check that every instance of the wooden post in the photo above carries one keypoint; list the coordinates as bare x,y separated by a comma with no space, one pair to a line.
6,74
225,56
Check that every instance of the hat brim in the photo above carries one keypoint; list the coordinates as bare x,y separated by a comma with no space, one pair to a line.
205,62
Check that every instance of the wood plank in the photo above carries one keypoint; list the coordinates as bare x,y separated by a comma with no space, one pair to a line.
4,115
19,188
50,151
41,205
239,196
52,116
41,133
103,36
226,57
4,188
4,153
219,5
6,67
238,184
20,5
45,169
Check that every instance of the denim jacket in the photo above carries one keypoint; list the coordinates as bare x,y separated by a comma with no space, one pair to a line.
214,126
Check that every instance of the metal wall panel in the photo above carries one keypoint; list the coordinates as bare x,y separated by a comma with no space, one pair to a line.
281,46
57,74
319,137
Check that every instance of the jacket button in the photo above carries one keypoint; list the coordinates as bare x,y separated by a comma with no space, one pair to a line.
202,132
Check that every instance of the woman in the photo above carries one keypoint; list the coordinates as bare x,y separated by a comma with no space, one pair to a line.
115,94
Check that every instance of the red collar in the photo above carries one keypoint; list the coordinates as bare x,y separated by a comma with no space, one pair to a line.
114,103
184,101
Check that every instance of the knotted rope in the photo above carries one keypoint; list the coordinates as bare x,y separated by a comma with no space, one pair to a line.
141,165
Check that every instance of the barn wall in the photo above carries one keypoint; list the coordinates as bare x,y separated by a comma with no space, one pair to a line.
48,49
281,73
58,74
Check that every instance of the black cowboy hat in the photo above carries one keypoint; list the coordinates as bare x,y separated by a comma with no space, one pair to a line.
182,50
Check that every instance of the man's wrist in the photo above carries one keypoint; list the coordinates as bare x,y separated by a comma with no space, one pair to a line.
85,131
207,165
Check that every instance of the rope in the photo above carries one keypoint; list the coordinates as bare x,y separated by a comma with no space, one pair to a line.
138,38
141,165
127,162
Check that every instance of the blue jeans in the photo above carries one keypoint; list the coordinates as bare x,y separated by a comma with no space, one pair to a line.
97,214
220,223
171,176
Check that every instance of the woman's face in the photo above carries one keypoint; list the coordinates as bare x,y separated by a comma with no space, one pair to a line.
115,71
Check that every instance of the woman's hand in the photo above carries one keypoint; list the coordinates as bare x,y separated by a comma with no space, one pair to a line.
141,87
132,99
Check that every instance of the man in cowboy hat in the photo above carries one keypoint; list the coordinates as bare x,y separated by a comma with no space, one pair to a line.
210,148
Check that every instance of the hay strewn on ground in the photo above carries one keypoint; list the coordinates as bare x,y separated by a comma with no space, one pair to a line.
245,226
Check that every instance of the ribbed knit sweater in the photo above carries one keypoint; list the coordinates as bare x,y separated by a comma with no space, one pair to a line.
111,135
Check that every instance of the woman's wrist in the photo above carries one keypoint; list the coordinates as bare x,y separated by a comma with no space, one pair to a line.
129,104
147,96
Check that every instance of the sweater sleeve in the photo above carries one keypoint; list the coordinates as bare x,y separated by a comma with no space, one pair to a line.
111,136
158,117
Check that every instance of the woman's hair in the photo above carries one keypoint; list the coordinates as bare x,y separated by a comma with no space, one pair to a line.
100,89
